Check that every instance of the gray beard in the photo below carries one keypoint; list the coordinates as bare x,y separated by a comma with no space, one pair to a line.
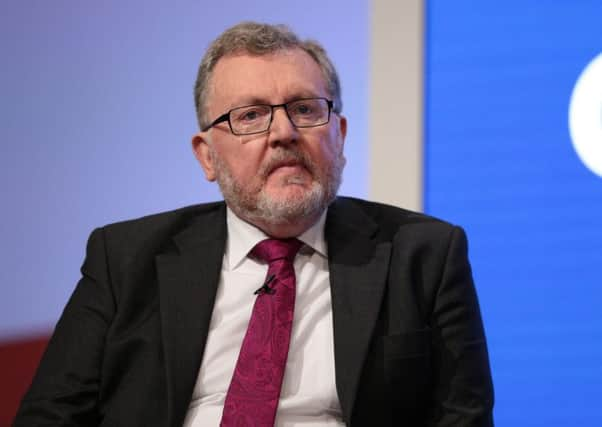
255,206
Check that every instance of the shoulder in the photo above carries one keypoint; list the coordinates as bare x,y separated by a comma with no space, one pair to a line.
390,220
180,217
154,232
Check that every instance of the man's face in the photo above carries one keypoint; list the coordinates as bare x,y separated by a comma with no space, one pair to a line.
285,174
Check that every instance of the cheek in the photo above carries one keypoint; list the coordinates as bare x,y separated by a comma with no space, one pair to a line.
244,164
329,149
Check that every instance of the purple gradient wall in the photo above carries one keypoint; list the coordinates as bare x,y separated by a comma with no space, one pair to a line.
97,115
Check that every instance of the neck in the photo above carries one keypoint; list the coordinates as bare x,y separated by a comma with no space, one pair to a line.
283,230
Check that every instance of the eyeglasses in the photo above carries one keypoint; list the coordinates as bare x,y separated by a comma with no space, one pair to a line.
250,119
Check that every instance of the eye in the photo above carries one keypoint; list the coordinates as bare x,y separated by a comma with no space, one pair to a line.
250,114
302,108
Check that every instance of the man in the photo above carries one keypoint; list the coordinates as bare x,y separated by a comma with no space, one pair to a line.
368,317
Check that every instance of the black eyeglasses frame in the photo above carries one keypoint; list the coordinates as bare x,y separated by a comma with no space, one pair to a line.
226,116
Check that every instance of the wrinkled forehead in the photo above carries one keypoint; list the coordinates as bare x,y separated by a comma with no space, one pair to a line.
242,78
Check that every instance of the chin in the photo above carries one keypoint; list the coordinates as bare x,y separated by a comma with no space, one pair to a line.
289,192
295,203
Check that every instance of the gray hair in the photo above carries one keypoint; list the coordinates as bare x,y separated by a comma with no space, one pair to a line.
260,39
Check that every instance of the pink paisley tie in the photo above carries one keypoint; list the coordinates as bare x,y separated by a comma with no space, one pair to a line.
254,391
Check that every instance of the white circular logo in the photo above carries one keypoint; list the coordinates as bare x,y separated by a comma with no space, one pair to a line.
585,116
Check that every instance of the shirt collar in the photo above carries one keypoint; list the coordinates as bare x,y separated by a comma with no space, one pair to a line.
242,237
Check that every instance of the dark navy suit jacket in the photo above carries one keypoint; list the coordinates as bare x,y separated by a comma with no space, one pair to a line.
408,337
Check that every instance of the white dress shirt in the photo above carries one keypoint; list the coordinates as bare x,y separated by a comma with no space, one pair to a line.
308,396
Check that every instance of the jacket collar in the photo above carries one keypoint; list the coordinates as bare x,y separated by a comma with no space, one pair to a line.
189,274
188,277
358,264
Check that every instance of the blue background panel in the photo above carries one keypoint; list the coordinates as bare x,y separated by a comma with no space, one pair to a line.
500,162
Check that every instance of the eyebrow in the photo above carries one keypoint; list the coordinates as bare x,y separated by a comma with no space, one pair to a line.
302,95
248,100
254,100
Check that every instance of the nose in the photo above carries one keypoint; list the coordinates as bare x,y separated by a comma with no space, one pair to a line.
282,130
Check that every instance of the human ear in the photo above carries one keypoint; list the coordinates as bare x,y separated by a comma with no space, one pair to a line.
343,126
204,155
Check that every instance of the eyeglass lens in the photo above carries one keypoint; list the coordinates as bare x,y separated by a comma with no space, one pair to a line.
257,118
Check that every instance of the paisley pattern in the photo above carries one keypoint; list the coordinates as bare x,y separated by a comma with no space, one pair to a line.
254,390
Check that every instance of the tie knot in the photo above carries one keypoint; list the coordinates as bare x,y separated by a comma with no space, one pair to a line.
271,250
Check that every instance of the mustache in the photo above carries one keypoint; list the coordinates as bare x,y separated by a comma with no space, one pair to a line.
286,157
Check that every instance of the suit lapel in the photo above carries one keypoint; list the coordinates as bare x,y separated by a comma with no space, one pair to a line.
188,277
358,266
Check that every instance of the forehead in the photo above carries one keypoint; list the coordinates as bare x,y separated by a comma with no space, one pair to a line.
274,78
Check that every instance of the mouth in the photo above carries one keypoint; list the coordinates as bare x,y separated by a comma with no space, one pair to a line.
288,166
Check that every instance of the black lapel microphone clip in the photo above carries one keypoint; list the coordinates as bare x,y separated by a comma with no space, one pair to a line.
265,288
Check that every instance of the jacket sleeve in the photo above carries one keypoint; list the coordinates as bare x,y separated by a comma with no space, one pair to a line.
463,394
65,388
